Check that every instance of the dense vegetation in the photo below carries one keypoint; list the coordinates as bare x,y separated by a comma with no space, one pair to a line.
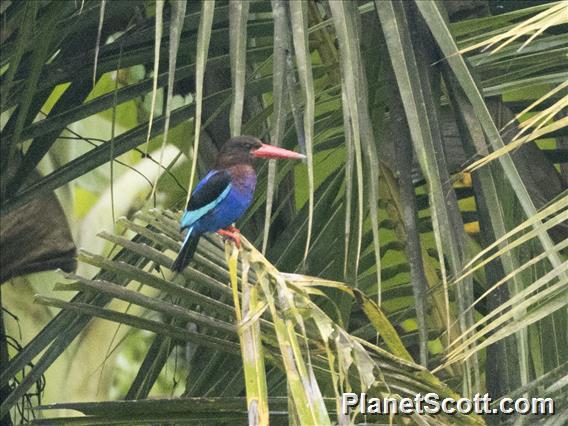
421,246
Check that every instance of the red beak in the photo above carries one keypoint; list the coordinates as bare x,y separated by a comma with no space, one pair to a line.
269,151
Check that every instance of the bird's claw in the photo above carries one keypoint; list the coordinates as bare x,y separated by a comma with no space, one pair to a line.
233,229
232,233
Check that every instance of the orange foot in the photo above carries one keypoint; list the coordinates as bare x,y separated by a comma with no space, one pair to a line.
232,233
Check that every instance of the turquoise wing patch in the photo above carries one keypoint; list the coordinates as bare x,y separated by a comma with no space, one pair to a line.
192,216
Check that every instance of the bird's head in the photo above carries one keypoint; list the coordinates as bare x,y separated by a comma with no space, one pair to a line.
243,149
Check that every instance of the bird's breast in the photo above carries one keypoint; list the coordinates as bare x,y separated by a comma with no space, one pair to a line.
243,179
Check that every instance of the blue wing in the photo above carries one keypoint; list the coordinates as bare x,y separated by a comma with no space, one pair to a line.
208,193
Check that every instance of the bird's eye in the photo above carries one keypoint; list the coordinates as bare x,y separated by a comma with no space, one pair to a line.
248,146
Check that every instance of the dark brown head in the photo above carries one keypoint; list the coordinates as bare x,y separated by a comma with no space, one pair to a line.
243,149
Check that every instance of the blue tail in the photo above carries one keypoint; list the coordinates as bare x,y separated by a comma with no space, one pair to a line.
187,251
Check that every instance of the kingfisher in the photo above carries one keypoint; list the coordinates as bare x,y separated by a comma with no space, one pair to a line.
224,194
